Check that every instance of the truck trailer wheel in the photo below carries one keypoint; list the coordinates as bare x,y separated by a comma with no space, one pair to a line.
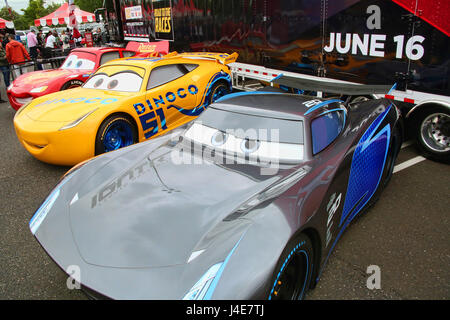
432,128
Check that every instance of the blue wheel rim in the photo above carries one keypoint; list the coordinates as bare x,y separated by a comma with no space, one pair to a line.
118,135
219,92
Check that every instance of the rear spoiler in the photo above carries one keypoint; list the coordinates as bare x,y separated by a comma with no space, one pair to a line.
346,88
223,58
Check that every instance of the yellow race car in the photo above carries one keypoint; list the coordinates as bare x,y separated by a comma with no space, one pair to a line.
125,101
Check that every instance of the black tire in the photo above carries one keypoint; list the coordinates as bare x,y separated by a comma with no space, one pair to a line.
218,90
72,84
292,275
107,124
432,132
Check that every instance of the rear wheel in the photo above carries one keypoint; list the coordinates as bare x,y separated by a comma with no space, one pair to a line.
293,271
218,91
114,133
432,128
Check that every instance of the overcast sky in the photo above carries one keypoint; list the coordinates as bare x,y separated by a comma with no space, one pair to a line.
23,4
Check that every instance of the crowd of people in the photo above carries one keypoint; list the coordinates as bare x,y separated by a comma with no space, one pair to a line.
13,53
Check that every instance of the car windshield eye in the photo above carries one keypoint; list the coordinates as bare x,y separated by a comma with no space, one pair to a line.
98,83
112,84
219,138
69,64
249,146
79,63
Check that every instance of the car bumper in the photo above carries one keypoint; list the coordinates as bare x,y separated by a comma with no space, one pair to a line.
17,102
45,142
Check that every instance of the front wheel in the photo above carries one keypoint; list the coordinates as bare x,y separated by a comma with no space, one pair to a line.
114,133
293,271
432,130
72,84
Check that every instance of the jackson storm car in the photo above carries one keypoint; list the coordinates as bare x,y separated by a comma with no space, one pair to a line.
125,101
246,202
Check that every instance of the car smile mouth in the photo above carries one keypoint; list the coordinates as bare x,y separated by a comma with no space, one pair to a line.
34,145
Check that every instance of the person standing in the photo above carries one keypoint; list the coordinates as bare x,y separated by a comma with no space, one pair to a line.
16,54
5,41
65,42
33,44
4,67
50,46
40,40
76,37
51,41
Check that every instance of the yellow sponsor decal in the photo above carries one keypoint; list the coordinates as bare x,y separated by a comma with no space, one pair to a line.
163,18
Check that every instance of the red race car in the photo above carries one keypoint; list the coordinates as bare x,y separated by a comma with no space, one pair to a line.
75,70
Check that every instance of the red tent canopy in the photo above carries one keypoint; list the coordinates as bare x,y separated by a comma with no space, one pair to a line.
6,24
61,16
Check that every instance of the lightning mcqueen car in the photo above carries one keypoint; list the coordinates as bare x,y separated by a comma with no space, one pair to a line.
247,202
75,70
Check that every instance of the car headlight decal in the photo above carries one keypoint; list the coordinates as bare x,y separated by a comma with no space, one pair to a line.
204,288
39,89
76,122
271,192
43,210
198,291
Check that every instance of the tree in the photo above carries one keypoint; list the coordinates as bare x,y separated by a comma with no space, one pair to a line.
89,5
4,14
36,10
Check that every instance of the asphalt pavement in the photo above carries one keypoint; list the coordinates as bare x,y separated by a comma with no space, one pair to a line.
406,234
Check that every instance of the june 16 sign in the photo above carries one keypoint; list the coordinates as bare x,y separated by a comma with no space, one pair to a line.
162,17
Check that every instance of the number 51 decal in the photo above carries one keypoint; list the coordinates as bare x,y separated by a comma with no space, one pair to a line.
150,124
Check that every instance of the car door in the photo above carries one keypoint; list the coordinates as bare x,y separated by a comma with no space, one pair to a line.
171,94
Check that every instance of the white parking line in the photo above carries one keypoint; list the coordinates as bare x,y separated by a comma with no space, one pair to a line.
408,163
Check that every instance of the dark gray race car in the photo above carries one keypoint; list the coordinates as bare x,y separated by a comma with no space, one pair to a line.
247,202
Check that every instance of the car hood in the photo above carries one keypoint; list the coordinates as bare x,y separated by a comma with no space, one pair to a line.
153,213
71,104
37,79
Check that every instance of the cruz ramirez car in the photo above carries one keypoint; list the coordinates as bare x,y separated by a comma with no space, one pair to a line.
125,101
75,70
247,202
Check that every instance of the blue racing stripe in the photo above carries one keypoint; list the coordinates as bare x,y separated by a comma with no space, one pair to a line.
322,104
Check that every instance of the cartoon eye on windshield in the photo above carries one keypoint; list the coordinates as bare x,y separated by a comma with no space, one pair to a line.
75,62
98,83
218,138
249,146
127,81
234,142
112,84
